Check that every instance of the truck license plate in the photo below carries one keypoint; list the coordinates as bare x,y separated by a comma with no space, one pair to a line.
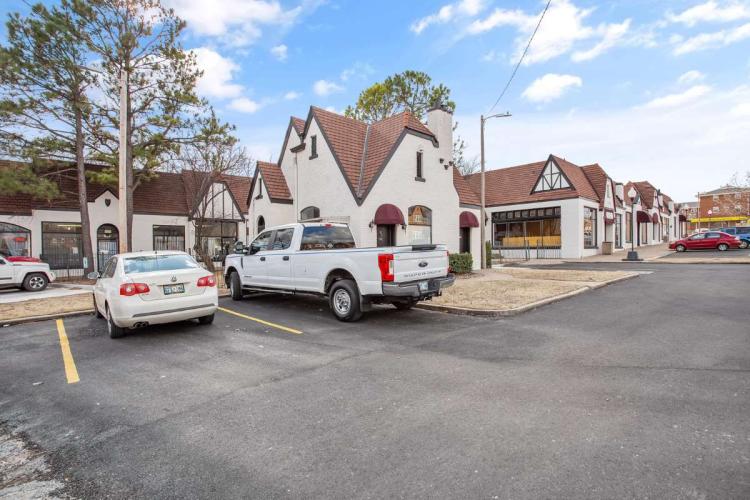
171,289
424,286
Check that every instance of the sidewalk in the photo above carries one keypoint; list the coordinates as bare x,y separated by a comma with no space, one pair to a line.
651,252
53,290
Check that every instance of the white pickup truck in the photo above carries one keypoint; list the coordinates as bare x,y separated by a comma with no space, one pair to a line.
322,259
24,272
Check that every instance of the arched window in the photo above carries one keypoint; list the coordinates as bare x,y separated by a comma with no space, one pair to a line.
309,213
107,243
14,240
261,224
419,230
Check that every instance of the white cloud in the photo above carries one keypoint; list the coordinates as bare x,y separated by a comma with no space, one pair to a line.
741,109
691,76
489,56
218,72
711,11
550,87
671,100
713,40
562,28
612,34
446,13
292,95
244,105
359,70
664,146
279,52
237,22
325,87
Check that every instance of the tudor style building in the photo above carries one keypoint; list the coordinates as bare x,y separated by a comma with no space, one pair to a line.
162,219
392,181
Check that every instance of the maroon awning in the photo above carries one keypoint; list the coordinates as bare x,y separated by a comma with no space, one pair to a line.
467,219
388,214
683,218
655,218
642,216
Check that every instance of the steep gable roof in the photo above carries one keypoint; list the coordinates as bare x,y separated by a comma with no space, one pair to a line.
299,125
466,195
362,150
646,191
512,185
598,179
274,181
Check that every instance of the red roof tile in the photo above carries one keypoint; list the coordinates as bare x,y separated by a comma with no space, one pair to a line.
598,179
466,195
512,185
274,181
299,125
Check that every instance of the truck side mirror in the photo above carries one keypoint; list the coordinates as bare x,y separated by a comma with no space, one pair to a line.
93,275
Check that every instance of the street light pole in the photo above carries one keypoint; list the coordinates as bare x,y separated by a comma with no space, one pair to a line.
482,229
632,254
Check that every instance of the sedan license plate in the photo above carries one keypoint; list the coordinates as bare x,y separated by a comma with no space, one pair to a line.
172,289
424,286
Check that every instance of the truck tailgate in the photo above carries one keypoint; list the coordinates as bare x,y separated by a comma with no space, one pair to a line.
418,265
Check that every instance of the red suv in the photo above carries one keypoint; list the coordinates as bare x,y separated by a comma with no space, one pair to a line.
706,241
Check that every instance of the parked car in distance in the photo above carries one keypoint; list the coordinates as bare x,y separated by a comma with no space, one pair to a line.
31,275
711,240
743,233
150,288
322,259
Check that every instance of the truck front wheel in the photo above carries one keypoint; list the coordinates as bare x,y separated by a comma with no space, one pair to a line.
344,300
235,286
35,282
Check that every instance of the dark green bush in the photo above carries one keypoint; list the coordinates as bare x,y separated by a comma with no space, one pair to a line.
488,255
460,262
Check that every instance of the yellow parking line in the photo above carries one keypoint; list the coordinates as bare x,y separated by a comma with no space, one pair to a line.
267,323
71,373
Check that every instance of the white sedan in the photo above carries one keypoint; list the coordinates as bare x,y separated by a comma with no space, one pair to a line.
150,288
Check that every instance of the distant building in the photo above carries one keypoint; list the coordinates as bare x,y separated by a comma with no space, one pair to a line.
727,206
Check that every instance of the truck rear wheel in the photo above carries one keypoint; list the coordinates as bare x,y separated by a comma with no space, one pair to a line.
235,286
344,301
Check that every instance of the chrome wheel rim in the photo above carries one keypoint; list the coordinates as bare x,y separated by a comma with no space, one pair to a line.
342,302
36,282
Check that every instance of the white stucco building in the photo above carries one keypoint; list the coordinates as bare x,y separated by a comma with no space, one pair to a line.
393,181
162,219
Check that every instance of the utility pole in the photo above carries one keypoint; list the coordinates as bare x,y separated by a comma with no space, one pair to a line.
482,228
122,198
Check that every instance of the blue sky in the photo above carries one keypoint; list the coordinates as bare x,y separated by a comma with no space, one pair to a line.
650,89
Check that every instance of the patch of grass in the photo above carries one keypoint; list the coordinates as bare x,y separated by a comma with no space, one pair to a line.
46,306
501,294
562,274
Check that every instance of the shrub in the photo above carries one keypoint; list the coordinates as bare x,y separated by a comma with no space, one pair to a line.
460,262
488,255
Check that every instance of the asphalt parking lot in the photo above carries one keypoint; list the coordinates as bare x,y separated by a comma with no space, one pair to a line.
639,389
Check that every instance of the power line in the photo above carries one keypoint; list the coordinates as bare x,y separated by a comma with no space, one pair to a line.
523,55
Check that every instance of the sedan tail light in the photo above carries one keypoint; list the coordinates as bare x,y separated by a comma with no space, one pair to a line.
385,263
130,289
207,281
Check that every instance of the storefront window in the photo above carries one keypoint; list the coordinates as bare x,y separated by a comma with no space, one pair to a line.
419,230
628,228
217,238
589,227
14,240
169,238
532,228
62,247
618,230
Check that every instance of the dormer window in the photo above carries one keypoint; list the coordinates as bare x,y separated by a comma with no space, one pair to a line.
551,178
313,147
419,176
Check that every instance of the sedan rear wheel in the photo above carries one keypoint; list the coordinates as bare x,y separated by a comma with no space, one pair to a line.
723,247
680,248
744,244
115,332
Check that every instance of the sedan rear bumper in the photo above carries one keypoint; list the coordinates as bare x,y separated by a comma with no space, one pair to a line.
129,313
412,288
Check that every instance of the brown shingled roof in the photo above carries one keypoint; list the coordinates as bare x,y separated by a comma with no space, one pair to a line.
299,125
274,181
512,185
165,194
598,179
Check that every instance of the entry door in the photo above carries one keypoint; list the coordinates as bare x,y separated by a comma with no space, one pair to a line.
464,238
386,235
107,244
254,265
279,260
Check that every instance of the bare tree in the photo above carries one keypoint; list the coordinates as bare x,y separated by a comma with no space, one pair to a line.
214,154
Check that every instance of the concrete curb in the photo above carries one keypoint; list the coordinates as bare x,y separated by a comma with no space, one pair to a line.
499,313
46,317
702,261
